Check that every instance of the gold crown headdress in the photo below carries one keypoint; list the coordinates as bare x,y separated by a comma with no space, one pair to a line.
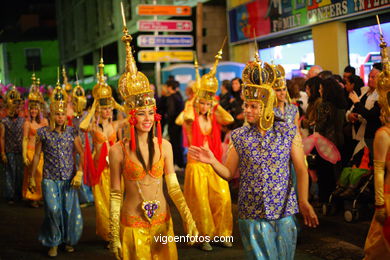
280,80
383,85
78,99
58,102
209,82
258,79
197,83
280,77
134,88
133,85
13,100
35,98
102,92
68,87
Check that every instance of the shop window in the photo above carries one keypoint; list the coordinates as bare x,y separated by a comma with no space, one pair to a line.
363,46
33,59
204,48
295,57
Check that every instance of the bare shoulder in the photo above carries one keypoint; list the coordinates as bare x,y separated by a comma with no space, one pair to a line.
166,144
26,123
45,122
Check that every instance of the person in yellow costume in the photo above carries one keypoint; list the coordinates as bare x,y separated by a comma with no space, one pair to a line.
378,239
103,130
34,121
144,215
207,194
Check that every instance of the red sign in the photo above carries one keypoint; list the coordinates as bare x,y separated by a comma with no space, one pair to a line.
174,10
164,26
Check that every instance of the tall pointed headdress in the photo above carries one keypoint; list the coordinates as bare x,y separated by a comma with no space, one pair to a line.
68,87
258,79
35,98
58,102
197,84
102,92
135,89
209,82
383,83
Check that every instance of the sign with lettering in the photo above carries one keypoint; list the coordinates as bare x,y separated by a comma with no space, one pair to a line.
165,41
165,56
171,10
164,26
278,16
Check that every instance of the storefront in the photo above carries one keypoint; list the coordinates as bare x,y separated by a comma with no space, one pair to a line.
299,34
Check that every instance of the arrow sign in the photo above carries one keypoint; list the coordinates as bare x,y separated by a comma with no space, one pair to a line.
165,41
164,26
174,10
165,56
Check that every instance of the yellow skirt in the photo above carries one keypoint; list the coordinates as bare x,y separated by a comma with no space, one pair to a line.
376,246
144,240
101,193
37,195
208,198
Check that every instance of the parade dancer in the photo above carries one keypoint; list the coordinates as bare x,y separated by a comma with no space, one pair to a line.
284,109
141,162
207,194
378,239
11,147
63,222
104,134
262,151
35,120
79,102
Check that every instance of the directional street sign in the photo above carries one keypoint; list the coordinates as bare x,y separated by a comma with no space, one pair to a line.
165,41
165,56
174,10
164,26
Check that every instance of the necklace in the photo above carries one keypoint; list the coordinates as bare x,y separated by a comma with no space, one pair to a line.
149,206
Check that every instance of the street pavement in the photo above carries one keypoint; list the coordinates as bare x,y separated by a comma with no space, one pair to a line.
19,226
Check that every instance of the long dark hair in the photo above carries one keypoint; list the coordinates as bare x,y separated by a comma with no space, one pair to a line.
358,83
151,151
333,93
314,85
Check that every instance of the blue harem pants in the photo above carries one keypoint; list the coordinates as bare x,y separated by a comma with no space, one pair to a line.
63,222
269,239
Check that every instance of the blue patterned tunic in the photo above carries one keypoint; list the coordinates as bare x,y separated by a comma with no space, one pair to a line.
290,112
13,134
58,151
266,190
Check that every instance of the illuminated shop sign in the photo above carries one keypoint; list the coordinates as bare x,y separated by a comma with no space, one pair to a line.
281,15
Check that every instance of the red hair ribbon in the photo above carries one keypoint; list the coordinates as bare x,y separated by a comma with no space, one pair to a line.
157,118
132,122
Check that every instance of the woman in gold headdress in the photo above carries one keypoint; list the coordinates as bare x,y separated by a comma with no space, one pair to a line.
144,214
378,239
34,121
103,130
207,194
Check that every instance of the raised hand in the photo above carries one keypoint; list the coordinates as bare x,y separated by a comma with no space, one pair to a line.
202,154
